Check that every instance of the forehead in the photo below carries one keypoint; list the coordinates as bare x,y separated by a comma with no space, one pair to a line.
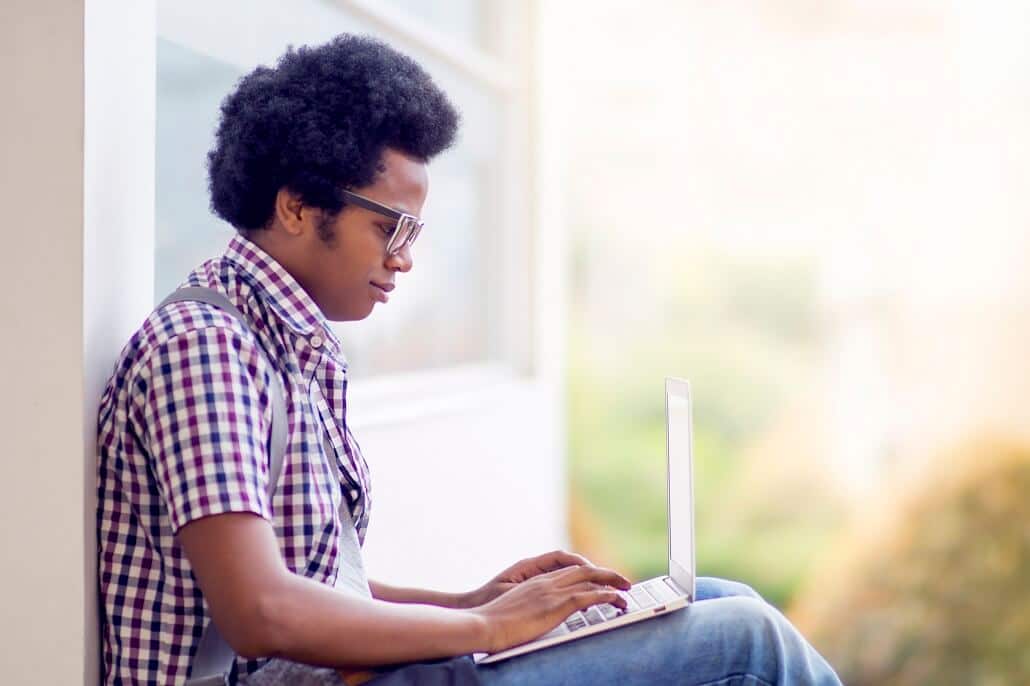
402,182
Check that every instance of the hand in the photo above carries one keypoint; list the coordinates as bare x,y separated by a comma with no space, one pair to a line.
533,607
519,572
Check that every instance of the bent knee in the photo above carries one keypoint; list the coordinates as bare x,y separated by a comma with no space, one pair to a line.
742,621
709,588
755,637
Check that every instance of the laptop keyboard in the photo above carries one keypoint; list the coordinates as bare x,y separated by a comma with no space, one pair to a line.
639,597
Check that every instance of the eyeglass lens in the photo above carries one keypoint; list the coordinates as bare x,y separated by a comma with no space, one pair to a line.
406,233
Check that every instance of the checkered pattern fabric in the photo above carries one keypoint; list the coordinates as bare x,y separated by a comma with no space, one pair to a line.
184,429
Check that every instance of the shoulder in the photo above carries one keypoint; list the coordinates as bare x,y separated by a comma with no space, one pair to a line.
187,321
192,337
183,319
184,342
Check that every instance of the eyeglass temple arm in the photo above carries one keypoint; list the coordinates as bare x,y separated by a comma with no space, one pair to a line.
366,203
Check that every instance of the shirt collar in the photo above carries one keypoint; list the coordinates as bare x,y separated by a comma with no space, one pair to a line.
286,297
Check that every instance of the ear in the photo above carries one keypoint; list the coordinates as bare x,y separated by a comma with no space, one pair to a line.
291,213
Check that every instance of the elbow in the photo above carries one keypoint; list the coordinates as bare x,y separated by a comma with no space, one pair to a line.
262,631
251,645
268,627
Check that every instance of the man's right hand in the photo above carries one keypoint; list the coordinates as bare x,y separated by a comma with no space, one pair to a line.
534,607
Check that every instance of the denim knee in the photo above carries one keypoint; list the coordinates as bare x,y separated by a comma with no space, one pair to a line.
766,645
749,629
751,618
709,587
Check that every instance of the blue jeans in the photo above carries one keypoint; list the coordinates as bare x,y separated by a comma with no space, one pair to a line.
729,637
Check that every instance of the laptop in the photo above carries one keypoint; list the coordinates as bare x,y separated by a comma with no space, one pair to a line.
661,595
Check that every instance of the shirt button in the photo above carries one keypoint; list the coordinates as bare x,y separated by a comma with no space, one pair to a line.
316,341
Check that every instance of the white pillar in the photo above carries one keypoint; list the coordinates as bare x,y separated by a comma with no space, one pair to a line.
76,185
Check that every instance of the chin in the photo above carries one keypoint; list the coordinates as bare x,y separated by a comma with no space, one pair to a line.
355,315
348,311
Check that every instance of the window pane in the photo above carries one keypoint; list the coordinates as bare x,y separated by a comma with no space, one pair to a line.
189,90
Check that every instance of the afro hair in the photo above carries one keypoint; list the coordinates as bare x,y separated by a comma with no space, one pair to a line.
319,122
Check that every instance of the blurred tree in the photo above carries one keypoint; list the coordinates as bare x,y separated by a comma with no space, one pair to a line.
939,593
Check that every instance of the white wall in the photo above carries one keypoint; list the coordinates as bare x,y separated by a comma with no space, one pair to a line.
462,491
76,181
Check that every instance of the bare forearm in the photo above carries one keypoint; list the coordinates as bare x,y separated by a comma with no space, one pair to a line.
265,610
397,594
314,624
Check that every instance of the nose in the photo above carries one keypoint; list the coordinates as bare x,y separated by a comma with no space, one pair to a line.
402,261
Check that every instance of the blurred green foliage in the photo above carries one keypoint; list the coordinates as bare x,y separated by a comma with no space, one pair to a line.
744,332
939,593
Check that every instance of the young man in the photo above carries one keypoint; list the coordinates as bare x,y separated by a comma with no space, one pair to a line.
320,164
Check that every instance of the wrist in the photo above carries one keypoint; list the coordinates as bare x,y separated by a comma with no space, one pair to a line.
467,600
396,594
482,629
451,601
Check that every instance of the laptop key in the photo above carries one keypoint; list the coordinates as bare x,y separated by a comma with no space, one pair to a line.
609,611
593,615
575,622
631,605
559,630
661,591
642,597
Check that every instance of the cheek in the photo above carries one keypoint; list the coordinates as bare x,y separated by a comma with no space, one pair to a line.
347,269
346,276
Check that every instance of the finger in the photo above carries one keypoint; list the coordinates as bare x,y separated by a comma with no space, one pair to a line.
583,586
587,587
520,571
573,575
546,563
609,577
559,559
570,574
584,599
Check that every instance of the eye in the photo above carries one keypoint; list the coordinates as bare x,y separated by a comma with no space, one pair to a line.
388,229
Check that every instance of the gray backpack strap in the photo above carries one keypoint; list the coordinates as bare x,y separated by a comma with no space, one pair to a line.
214,658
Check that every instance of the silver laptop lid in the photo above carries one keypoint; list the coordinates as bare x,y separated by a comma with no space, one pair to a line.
680,478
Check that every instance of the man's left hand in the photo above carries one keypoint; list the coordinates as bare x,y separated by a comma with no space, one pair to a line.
519,572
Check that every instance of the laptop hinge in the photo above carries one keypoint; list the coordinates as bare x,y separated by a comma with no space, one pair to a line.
681,580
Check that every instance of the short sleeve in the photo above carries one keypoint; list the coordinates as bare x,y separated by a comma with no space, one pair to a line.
202,399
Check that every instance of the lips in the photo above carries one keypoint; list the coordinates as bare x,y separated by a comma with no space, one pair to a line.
381,291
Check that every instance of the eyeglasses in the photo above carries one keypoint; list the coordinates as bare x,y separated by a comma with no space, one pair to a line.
408,227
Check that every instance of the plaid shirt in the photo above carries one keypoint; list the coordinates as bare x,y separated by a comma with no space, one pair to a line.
184,429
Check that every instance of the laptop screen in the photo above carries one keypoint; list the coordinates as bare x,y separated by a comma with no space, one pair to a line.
681,487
